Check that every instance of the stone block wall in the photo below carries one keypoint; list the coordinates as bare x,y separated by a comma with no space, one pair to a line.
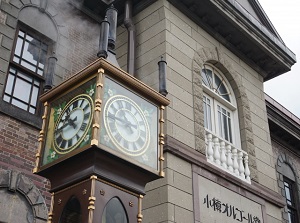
184,44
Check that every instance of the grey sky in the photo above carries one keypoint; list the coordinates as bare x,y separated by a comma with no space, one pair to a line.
285,16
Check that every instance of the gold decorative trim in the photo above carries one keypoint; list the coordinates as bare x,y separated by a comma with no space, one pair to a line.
94,142
41,138
140,216
161,141
98,66
50,214
92,199
98,103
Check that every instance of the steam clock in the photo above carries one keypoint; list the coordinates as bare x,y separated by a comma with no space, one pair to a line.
101,142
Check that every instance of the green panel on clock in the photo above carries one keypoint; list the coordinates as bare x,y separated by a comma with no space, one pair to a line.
129,124
69,125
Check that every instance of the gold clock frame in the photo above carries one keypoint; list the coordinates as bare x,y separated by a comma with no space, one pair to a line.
98,70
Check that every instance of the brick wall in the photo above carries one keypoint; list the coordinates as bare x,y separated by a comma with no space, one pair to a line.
18,144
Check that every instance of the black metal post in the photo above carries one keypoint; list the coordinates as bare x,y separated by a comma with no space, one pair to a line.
112,16
50,72
162,64
103,42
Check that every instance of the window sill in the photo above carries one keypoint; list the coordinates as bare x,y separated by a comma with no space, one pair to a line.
20,114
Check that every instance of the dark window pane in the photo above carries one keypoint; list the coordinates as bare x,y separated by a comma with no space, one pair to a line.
218,81
31,53
225,126
71,212
229,130
220,124
209,116
114,212
205,114
42,60
207,77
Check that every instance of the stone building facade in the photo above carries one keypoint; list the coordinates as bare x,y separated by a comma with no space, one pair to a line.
284,129
218,148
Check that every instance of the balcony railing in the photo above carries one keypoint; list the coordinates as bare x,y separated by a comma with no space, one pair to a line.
224,155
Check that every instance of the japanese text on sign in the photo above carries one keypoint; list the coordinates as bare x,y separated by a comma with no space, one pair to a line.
230,210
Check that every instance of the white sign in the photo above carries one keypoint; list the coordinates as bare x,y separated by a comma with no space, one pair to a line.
220,205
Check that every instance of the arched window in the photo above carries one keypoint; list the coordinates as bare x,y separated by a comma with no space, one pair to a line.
290,193
219,105
222,134
114,212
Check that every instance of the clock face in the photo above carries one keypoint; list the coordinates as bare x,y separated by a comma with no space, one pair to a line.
129,125
126,125
69,121
73,124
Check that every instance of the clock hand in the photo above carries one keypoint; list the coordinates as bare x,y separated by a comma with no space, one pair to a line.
126,122
70,122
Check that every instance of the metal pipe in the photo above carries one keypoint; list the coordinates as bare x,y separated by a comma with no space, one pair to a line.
131,37
112,15
50,72
103,41
162,64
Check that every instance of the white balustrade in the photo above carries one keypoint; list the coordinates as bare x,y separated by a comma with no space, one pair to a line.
216,149
227,157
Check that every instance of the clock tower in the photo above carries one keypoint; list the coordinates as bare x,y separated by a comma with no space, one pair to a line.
101,142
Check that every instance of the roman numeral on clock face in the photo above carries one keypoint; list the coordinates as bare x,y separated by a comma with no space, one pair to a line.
118,137
70,142
140,142
83,126
86,116
75,104
128,106
120,104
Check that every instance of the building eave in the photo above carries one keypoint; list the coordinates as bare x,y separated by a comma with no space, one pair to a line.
284,125
239,31
256,44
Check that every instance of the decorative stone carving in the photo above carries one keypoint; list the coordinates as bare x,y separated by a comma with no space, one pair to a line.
28,206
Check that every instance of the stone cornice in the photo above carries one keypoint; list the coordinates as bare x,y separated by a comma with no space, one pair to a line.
240,32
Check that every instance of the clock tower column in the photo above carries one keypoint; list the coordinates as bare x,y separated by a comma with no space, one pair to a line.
101,142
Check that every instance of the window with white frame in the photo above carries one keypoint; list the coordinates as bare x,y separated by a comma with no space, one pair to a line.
220,115
222,134
26,71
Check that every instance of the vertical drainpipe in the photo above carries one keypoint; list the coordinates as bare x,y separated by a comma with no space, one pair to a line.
131,37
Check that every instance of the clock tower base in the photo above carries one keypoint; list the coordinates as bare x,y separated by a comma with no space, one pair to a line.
94,200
